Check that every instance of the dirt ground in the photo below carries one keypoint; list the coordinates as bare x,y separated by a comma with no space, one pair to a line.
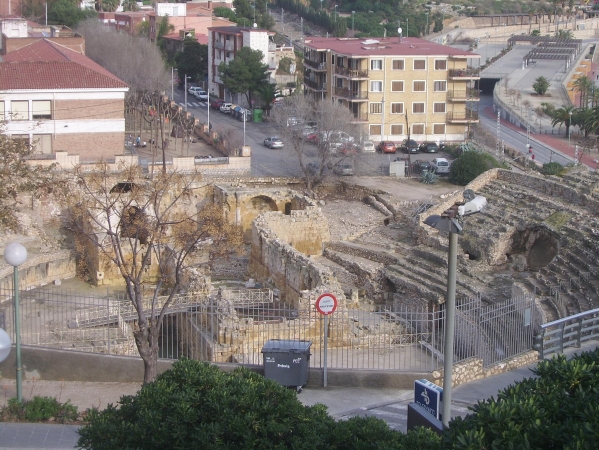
412,189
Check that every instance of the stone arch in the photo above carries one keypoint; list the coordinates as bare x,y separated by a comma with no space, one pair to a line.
262,203
252,208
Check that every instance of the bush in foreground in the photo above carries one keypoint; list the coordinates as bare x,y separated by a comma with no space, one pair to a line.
195,405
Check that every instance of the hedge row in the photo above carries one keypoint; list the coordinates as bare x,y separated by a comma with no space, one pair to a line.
195,405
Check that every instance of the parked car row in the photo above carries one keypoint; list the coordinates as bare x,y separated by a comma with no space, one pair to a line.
236,111
198,93
409,146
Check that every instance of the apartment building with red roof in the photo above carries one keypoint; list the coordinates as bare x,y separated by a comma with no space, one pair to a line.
59,100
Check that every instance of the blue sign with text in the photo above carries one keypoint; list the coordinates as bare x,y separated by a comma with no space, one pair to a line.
429,396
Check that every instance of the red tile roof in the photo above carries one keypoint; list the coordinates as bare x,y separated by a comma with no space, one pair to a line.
365,47
45,65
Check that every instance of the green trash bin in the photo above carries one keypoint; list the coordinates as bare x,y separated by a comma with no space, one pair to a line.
258,115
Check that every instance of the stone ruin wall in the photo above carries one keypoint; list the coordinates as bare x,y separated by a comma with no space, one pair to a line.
278,243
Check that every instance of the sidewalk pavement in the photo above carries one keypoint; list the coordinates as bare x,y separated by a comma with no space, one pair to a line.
342,402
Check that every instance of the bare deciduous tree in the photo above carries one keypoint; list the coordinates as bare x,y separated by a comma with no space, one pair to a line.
133,59
334,139
145,230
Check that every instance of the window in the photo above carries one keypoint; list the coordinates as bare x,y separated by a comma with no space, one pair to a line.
20,110
41,109
397,108
375,129
397,128
418,108
420,64
42,143
376,64
376,86
398,64
419,86
439,128
439,107
418,128
1,110
397,86
339,82
440,64
376,108
440,86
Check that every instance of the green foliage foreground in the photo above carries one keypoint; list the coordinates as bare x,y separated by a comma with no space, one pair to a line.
195,405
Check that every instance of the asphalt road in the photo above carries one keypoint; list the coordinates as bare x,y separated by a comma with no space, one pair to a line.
282,162
517,138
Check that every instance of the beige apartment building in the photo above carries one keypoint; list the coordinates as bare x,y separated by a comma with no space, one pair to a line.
394,86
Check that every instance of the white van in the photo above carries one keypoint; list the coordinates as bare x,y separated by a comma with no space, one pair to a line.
226,108
440,166
193,89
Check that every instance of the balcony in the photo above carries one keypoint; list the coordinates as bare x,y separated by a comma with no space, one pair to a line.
464,74
351,73
351,94
314,85
223,45
315,65
463,95
462,117
360,118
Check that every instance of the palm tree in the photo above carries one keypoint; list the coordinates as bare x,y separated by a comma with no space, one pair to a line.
583,85
586,119
562,116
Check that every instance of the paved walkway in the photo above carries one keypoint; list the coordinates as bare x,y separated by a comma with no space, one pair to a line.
388,404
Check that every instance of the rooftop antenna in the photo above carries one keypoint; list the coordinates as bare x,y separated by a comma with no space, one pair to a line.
399,30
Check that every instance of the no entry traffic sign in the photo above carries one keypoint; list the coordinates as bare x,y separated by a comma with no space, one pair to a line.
326,304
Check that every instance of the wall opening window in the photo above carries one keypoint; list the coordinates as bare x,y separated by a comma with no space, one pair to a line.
376,86
42,143
419,86
418,108
376,108
375,129
398,64
439,128
19,109
397,128
420,64
440,86
376,64
397,108
418,128
41,109
440,64
439,107
397,86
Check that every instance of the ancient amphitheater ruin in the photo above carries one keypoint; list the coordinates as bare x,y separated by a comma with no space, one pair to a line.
531,257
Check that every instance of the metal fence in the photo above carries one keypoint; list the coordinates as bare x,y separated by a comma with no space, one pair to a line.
570,331
233,326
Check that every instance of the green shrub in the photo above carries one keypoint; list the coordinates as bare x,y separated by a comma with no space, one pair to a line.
552,168
560,409
469,165
39,409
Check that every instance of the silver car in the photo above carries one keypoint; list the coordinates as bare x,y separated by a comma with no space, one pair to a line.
273,142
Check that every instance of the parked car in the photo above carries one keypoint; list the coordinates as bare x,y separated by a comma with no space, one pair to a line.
386,147
440,166
429,147
226,108
420,166
313,168
201,95
368,147
216,104
410,146
193,89
273,142
344,169
347,148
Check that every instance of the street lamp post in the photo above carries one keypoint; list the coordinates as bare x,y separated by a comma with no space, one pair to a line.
352,23
569,128
336,14
186,78
451,221
16,254
426,30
